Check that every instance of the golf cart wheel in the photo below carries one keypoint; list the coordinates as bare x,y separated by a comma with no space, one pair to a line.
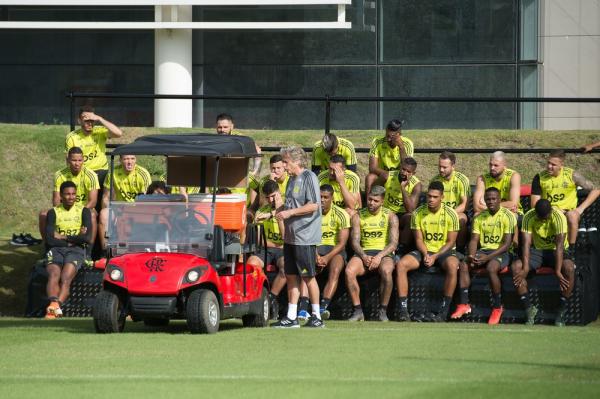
203,312
262,319
155,322
108,313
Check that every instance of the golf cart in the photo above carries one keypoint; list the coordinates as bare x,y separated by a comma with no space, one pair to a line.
175,259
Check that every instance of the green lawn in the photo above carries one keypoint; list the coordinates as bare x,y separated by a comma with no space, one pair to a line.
65,358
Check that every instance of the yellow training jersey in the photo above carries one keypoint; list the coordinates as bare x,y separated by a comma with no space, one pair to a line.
321,158
271,227
393,192
503,185
544,232
388,158
128,186
561,190
351,180
92,145
434,226
455,188
332,223
86,181
374,229
68,222
493,228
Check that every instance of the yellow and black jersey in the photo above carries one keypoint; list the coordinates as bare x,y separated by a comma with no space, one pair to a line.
86,181
561,190
544,231
503,185
128,186
493,228
388,158
434,226
455,188
393,192
332,223
271,227
68,223
92,145
351,180
374,229
282,185
320,157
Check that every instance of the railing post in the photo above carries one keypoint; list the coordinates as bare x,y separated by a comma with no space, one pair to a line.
327,114
72,111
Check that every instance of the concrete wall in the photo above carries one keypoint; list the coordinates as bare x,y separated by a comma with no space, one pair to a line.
570,43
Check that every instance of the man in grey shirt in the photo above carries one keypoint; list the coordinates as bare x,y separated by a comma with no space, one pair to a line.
301,215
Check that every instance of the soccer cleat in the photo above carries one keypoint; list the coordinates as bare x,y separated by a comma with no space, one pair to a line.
560,318
325,313
303,315
531,313
496,315
53,310
382,315
314,322
18,240
435,317
285,322
403,314
357,315
461,310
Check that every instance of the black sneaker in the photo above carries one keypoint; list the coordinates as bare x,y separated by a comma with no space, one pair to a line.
403,315
285,322
18,240
438,317
382,315
31,240
314,322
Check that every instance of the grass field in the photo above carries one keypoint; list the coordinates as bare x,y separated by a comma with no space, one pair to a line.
65,358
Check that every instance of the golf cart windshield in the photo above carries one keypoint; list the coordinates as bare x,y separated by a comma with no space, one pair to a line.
160,227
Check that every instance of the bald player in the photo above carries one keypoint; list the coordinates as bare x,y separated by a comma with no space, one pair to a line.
506,180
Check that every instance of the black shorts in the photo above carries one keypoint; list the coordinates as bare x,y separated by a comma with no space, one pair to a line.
101,176
503,258
323,250
273,254
543,257
300,260
439,261
63,255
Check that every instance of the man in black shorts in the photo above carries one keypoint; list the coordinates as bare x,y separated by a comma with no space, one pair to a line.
274,230
374,239
331,254
544,243
68,231
435,227
301,215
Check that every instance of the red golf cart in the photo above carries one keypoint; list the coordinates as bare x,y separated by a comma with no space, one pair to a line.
175,259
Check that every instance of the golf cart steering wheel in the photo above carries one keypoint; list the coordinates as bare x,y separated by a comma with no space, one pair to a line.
188,223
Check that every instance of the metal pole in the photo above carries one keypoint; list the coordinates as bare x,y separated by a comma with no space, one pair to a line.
72,113
327,114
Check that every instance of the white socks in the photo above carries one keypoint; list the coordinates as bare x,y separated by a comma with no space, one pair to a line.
292,311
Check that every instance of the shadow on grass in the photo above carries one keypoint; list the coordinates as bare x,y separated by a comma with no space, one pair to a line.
586,367
86,326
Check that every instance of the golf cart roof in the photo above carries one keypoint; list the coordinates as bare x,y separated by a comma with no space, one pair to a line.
194,144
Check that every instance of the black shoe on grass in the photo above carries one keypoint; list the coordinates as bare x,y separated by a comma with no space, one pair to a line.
314,322
285,322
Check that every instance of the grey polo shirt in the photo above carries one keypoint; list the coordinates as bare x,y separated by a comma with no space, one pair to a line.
304,229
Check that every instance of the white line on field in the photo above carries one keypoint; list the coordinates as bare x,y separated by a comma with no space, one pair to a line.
250,377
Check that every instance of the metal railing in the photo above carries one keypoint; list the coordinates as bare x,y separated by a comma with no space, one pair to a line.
328,100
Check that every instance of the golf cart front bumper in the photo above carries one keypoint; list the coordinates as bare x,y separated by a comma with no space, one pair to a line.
153,305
